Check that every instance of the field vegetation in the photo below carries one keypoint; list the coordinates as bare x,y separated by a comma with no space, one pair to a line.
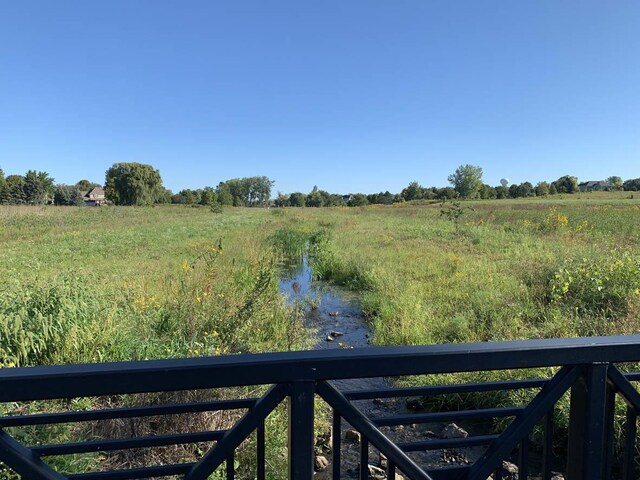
121,283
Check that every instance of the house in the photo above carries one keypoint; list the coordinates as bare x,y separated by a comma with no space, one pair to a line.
95,197
594,186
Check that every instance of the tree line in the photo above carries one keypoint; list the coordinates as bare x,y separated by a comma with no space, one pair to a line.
140,184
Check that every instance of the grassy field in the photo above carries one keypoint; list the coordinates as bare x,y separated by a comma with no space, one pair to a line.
100,284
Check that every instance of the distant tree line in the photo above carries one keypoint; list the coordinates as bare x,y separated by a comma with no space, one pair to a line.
237,192
140,184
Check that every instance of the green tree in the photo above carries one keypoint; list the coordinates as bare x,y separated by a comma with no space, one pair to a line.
631,185
208,197
133,184
38,187
447,193
282,200
413,191
502,192
566,184
15,190
67,195
315,198
616,182
224,194
297,199
487,192
86,185
467,181
358,200
542,189
526,189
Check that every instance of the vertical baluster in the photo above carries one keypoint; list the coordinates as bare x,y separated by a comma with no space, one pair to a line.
336,440
523,459
547,447
497,475
301,437
364,458
631,430
609,421
231,467
391,470
260,441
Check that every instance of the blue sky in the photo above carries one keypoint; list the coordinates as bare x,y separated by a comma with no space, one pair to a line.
358,95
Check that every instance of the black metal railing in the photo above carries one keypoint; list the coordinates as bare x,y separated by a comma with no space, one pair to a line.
589,370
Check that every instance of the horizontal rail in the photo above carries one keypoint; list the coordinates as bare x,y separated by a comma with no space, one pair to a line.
128,443
444,389
439,444
448,416
66,381
131,412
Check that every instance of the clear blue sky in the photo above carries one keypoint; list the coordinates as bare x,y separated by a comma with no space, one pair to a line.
351,95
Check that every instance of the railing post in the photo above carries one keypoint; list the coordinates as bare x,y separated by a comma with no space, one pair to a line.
587,452
301,433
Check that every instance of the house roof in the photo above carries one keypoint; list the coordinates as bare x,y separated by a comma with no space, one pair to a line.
96,192
593,183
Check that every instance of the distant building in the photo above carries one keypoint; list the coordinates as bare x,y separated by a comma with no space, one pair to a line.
95,197
594,186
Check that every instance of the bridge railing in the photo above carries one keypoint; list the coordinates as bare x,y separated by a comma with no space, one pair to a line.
591,370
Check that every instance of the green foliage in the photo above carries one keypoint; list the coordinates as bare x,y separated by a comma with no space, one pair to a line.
542,189
358,200
36,323
604,286
245,192
467,181
133,184
38,187
632,185
67,195
288,243
86,185
413,191
616,182
15,190
297,199
454,212
566,184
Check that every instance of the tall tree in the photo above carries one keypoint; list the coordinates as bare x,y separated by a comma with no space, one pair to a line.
615,181
566,184
245,192
38,187
413,191
631,185
15,190
133,184
542,189
467,181
67,195
297,199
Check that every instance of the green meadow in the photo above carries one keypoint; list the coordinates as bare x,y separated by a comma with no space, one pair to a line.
114,283
120,283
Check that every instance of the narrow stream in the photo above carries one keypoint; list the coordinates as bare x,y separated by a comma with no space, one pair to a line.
337,320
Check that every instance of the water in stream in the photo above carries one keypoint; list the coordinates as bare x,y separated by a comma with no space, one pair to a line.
328,310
